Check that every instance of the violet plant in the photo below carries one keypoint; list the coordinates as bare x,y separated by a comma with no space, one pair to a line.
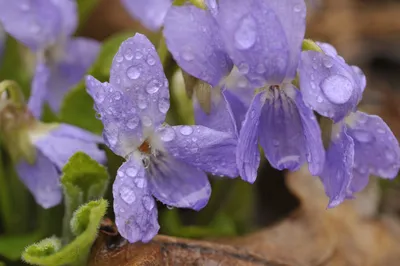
254,82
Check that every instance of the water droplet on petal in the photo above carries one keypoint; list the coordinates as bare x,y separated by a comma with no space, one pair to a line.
131,171
112,139
337,88
244,68
119,58
153,86
133,72
313,86
163,105
138,55
297,8
363,136
140,182
128,54
127,194
167,134
142,102
117,95
148,202
187,54
133,122
146,121
260,68
390,156
327,61
150,60
275,142
320,99
186,130
245,35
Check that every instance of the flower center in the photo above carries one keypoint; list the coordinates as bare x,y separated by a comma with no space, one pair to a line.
145,147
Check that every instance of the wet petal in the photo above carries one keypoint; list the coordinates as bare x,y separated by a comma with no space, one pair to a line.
337,173
150,13
42,180
263,38
63,142
377,150
204,148
135,209
178,184
39,90
34,23
194,41
219,117
248,155
329,85
136,98
289,132
80,54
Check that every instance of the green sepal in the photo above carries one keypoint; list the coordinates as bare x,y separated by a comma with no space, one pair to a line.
310,45
49,252
77,106
85,7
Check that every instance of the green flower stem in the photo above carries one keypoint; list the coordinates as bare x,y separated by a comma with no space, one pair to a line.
162,51
5,199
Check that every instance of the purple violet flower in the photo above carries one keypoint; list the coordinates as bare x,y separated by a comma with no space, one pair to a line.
46,27
361,145
150,13
194,39
163,161
40,150
263,39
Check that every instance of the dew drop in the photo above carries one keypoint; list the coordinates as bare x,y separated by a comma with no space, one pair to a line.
320,99
127,194
133,122
275,142
131,171
167,134
163,105
327,61
140,182
128,54
187,55
245,35
186,130
363,136
150,60
260,68
133,72
100,96
146,121
297,8
112,139
390,156
153,86
244,68
142,103
117,95
337,89
148,202
119,58
138,55
313,86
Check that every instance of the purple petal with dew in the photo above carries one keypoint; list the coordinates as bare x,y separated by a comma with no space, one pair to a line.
201,147
194,41
178,184
248,154
135,209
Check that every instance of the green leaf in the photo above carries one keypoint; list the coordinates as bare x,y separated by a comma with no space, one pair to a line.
83,180
77,107
47,252
12,246
13,67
